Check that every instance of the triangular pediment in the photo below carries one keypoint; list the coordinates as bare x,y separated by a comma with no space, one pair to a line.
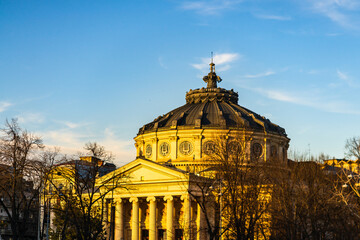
142,170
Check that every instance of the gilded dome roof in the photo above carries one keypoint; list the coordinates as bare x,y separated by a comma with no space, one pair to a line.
211,108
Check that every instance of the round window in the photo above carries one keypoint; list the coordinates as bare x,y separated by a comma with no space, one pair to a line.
148,150
209,147
164,149
273,151
186,148
234,147
257,150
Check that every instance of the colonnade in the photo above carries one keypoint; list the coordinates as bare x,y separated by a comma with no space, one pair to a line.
119,231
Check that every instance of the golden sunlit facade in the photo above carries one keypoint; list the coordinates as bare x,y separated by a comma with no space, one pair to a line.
344,164
173,148
154,201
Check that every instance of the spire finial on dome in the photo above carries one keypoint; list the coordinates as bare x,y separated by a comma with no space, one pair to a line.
212,65
212,79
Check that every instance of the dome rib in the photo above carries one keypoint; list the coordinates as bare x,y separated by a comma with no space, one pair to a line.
210,108
210,115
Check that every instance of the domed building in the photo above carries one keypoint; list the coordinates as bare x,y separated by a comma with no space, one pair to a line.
184,135
155,202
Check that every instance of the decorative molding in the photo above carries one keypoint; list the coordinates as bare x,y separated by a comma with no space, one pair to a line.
168,197
185,197
134,199
148,150
164,149
151,198
211,94
197,137
173,138
186,148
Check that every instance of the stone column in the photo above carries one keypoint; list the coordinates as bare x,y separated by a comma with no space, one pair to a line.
52,214
200,223
106,218
152,218
187,215
169,217
135,218
119,220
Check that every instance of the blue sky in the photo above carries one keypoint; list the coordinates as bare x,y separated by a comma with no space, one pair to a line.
79,71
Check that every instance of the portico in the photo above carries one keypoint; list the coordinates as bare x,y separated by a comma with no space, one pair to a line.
154,205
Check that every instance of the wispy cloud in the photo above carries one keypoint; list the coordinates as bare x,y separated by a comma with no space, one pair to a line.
280,96
213,7
273,17
123,149
71,141
344,77
313,101
161,62
339,11
341,75
259,75
72,125
222,60
31,118
4,106
313,72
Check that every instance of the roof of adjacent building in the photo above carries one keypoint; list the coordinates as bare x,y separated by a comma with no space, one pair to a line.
212,108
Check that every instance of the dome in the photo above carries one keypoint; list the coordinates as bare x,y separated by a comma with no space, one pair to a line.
211,108
183,136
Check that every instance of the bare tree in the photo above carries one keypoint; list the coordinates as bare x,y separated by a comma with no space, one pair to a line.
95,150
80,188
352,148
238,188
21,177
306,206
206,192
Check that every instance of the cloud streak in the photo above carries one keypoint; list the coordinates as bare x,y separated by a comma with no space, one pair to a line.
259,75
342,75
72,138
273,17
4,106
161,63
308,100
31,118
339,11
346,79
222,60
214,7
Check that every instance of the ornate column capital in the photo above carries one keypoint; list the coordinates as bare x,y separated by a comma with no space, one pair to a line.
168,197
151,198
185,197
118,200
134,199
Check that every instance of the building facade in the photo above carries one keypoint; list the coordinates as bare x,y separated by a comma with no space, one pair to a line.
155,203
156,199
